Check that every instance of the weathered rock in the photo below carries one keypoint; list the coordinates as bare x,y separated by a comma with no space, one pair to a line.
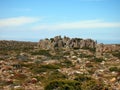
66,42
113,80
99,50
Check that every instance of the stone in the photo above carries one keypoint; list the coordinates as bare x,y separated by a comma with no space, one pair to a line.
33,80
113,80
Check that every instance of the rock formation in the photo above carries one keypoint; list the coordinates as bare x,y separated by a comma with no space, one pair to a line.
66,42
77,43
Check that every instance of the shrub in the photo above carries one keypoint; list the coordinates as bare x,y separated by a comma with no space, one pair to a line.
44,68
85,56
98,59
82,78
114,69
63,85
66,63
116,54
41,52
90,49
56,75
50,66
92,85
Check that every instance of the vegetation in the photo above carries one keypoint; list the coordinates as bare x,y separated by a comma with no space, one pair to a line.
82,78
41,52
92,85
90,49
56,75
85,56
116,54
23,66
98,59
114,69
63,85
44,68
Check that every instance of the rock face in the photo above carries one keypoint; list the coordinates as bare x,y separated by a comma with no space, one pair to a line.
66,42
99,50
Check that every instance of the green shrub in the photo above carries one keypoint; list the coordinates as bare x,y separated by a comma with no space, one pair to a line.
63,85
90,49
116,54
38,70
55,75
44,68
66,63
41,52
114,69
50,66
98,59
92,85
82,78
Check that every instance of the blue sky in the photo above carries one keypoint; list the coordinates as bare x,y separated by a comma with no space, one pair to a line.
32,20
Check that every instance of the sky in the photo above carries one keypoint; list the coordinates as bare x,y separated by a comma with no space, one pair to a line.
32,20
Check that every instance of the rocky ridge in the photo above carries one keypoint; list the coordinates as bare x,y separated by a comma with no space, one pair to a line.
66,42
76,43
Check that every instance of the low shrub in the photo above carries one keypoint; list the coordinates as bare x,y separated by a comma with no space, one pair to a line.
114,69
55,75
98,59
116,54
63,85
92,85
41,52
82,78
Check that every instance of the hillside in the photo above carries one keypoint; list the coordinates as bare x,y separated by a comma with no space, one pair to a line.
59,64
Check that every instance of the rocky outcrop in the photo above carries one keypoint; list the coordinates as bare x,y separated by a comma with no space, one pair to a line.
66,42
104,48
77,43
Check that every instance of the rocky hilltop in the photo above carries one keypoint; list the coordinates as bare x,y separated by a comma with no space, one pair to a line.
66,42
77,43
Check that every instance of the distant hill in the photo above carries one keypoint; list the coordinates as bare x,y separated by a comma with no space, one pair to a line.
9,45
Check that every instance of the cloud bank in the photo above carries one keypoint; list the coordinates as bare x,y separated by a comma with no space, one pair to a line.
17,21
87,24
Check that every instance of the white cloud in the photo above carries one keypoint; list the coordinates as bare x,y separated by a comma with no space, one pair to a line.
17,21
79,25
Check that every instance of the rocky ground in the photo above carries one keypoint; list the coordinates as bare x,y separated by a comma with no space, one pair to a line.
59,64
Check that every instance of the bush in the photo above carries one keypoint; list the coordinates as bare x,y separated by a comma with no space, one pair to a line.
42,52
116,54
98,59
92,85
63,85
50,66
114,69
90,49
82,78
56,75
44,68
66,63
